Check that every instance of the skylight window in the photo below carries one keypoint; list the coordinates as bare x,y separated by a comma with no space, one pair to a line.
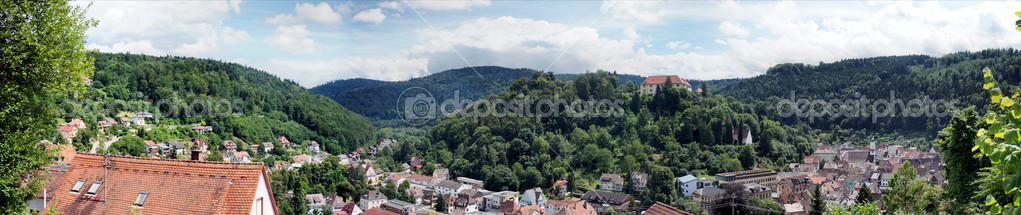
141,199
94,188
78,186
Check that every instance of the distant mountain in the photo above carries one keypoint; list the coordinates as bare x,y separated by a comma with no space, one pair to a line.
379,102
951,77
341,86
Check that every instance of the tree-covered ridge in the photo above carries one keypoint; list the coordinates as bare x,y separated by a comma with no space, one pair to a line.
667,135
380,102
132,76
340,86
954,76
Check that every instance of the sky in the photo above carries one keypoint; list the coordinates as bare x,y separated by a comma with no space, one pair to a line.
315,42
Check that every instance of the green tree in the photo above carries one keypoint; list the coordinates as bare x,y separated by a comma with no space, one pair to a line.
130,145
42,56
298,202
856,209
961,165
441,204
747,157
901,195
864,195
818,205
999,144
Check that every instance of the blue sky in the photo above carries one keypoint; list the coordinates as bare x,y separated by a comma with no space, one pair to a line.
318,41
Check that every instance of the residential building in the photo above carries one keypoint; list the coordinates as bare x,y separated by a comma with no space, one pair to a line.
605,201
229,146
176,147
448,187
267,147
313,146
764,177
687,184
284,142
151,147
202,129
78,123
757,190
316,201
707,196
443,173
68,132
463,203
533,196
638,181
239,157
398,206
157,186
372,199
349,209
654,83
569,207
492,201
611,182
473,182
826,154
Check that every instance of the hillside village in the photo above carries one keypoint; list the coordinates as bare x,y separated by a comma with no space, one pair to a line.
840,171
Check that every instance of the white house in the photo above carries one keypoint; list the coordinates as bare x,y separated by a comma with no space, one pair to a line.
687,184
371,199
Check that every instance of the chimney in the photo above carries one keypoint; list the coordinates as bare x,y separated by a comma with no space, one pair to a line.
195,154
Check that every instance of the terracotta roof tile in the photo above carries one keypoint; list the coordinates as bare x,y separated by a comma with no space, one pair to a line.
174,186
663,209
661,79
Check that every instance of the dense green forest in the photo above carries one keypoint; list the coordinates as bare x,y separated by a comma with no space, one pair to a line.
667,135
340,86
264,106
380,102
953,76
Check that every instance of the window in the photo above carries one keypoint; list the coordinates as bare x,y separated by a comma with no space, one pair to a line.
258,208
141,199
78,186
94,188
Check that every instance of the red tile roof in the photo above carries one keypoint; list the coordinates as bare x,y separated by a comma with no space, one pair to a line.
174,186
66,128
150,143
418,177
661,79
663,209
67,152
378,211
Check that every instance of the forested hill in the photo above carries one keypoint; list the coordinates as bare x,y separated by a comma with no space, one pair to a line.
271,106
341,86
379,102
954,76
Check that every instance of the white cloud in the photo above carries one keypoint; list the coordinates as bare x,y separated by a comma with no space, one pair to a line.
448,4
231,36
186,28
392,5
678,45
646,11
310,73
306,13
371,16
292,38
136,47
733,29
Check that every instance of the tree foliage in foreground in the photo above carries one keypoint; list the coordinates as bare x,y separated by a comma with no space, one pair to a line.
1000,144
42,55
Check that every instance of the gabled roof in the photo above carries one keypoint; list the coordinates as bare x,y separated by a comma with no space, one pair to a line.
449,184
373,195
173,186
686,178
605,197
612,178
66,128
150,143
661,79
663,209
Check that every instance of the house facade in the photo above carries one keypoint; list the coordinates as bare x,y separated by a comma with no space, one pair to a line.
654,83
